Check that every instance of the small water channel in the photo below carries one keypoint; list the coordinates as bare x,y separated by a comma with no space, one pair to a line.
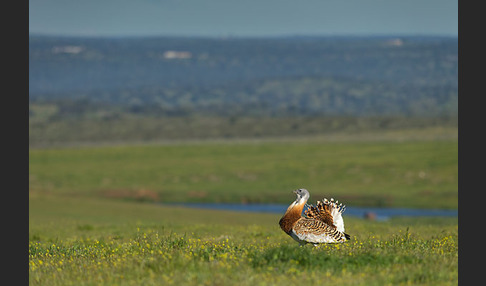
363,212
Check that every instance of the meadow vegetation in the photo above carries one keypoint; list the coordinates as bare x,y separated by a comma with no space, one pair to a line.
93,220
104,242
416,173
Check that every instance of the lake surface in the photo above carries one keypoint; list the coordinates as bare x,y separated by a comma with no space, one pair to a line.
379,213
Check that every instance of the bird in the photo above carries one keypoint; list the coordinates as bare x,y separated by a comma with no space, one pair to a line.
322,223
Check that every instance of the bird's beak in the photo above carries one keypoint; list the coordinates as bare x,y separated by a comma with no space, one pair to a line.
294,191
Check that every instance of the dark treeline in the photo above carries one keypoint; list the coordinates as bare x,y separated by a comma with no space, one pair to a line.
102,89
254,76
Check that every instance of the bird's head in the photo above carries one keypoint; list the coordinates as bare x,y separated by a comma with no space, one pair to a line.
302,196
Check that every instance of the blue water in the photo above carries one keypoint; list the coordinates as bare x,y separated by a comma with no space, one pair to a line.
380,213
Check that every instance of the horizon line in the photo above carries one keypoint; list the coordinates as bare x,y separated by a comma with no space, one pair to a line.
337,35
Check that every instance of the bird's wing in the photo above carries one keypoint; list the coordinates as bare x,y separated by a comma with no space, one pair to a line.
329,212
321,212
316,231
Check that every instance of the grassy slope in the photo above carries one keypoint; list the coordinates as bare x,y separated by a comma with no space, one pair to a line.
385,173
46,131
85,241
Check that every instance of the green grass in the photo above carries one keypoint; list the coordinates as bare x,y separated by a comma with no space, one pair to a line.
92,241
90,222
422,174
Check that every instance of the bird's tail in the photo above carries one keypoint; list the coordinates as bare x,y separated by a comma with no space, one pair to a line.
328,211
336,212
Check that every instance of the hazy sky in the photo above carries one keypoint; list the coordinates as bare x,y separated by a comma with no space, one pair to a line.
243,17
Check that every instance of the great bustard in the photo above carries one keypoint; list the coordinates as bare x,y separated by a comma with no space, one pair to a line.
322,223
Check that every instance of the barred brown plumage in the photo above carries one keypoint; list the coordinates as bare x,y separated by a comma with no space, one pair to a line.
322,223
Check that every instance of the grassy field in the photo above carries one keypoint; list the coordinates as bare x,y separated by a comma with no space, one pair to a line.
421,174
91,220
83,241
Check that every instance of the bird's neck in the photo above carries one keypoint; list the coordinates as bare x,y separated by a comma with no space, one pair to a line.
292,215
